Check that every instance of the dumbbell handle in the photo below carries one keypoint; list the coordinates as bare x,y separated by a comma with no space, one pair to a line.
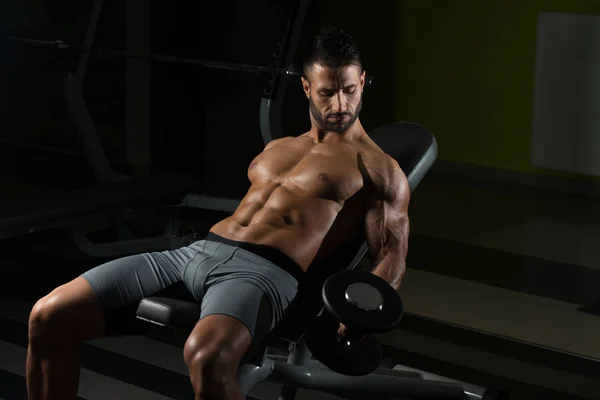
352,335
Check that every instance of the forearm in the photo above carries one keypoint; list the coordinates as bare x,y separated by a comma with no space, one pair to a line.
390,269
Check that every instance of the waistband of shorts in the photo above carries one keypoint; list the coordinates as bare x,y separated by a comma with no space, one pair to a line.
269,253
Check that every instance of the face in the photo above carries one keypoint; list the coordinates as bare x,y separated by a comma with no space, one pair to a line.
334,96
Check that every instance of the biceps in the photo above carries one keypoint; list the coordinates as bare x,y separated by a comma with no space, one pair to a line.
396,230
387,231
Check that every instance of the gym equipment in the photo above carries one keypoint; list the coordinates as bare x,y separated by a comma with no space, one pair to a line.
349,354
63,48
115,194
471,390
415,149
365,304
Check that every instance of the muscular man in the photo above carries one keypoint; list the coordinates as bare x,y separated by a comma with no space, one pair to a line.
308,195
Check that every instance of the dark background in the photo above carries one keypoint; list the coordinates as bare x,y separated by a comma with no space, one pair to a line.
204,121
455,68
465,69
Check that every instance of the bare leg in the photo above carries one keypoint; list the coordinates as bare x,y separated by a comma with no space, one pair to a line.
213,353
58,324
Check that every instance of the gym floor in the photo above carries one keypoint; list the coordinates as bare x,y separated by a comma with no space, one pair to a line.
490,259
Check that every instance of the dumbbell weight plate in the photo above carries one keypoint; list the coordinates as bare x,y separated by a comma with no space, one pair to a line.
374,306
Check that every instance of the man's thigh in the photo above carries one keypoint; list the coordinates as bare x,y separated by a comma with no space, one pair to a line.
120,284
246,302
250,289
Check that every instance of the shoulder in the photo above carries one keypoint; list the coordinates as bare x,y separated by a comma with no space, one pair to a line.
276,142
382,173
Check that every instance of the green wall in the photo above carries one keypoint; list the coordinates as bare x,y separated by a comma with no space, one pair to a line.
465,69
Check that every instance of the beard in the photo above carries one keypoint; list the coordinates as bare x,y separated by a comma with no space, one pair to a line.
329,123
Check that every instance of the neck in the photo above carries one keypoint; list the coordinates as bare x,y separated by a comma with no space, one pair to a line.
320,135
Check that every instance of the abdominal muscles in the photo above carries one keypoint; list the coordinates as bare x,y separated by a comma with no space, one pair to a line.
282,216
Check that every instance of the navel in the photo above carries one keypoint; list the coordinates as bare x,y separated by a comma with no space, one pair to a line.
323,178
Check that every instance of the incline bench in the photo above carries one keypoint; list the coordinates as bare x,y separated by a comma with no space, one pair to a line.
415,149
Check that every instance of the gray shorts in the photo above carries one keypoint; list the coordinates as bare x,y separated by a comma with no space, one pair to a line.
226,277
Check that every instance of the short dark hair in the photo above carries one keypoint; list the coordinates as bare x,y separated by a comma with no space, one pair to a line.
332,47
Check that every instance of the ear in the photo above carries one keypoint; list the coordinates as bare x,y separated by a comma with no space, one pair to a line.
363,78
305,87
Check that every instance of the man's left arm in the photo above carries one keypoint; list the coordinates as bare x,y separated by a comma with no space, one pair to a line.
387,225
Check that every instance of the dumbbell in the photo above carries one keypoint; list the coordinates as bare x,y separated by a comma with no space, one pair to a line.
366,304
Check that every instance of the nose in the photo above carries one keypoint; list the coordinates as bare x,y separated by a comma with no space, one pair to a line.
340,104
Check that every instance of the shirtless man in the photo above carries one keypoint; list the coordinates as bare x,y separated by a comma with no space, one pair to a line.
308,195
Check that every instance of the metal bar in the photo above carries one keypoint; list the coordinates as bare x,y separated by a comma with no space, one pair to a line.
299,356
364,248
138,93
90,34
249,375
294,38
61,46
272,106
87,49
267,122
77,107
86,131
316,364
222,65
290,44
292,375
210,203
472,392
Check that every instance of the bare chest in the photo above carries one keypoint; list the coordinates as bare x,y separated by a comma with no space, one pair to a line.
324,171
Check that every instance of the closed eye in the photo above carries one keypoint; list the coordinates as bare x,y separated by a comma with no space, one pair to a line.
326,93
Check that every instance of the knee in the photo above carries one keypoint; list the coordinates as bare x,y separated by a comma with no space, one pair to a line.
46,320
211,362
